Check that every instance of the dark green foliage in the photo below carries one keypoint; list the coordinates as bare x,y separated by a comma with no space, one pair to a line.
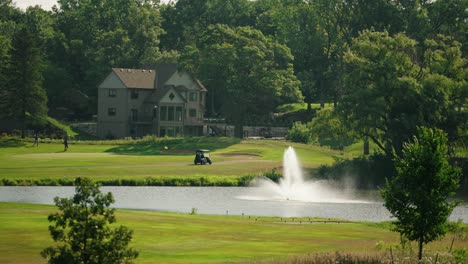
368,172
299,133
328,129
82,228
246,72
24,98
419,195
390,91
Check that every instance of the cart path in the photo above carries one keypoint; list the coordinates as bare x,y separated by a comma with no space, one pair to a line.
144,165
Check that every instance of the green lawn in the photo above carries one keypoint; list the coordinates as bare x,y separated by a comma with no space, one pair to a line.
140,160
184,238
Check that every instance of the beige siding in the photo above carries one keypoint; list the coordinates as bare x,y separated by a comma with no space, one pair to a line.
112,81
182,78
175,100
112,124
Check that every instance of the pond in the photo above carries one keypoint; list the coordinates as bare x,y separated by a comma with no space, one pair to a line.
368,206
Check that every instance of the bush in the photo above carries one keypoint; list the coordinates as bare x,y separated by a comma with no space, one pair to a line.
299,133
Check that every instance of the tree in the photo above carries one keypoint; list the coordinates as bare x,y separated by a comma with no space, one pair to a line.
392,87
327,129
82,228
93,36
244,70
24,98
418,195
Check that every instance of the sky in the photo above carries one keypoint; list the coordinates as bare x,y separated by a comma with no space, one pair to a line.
45,4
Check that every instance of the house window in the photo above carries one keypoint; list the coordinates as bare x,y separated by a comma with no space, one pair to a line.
112,92
193,112
134,94
163,114
112,111
193,97
169,131
170,113
134,115
178,113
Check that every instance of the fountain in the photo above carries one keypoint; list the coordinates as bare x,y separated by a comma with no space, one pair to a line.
293,187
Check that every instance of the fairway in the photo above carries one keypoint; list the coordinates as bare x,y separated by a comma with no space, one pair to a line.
184,238
135,162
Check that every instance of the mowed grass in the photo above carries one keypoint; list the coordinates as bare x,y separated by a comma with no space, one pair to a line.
141,160
183,238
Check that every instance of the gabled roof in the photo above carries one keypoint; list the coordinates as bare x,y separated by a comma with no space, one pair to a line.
158,94
136,78
150,78
165,71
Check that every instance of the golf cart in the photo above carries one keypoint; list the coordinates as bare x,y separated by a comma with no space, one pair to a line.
202,156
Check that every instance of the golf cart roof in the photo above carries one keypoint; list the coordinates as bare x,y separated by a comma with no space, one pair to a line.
203,150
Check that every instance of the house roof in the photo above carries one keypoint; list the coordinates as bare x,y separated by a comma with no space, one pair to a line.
136,78
150,78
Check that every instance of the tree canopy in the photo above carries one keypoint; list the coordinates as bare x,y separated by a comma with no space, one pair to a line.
322,47
246,71
419,195
391,88
82,228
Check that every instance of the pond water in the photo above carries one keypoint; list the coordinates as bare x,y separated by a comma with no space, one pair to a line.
221,200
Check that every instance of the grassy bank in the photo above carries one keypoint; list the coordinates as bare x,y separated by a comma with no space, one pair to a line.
185,238
151,161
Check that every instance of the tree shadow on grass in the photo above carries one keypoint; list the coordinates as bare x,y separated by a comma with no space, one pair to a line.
173,146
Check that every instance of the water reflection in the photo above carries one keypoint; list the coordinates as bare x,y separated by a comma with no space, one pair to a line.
217,200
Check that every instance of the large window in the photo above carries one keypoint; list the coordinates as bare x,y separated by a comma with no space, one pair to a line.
170,113
163,114
112,92
169,131
112,111
178,113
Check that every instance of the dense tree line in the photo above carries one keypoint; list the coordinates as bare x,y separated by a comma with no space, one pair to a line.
389,66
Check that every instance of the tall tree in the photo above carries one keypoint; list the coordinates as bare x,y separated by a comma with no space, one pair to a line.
82,228
392,88
419,195
247,72
185,20
25,99
97,35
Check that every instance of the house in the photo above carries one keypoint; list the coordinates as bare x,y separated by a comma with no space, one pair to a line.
163,101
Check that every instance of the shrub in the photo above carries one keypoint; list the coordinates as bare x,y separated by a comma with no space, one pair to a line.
299,133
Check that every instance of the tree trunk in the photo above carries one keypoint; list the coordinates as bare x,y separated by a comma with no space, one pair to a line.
366,146
420,242
322,96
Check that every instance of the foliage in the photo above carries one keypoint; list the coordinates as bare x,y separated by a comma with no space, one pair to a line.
367,172
82,229
24,98
299,133
245,71
418,195
389,91
328,129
